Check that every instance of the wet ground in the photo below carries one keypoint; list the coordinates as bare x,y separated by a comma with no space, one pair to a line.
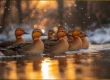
90,66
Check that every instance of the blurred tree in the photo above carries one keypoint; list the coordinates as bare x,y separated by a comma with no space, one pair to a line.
60,11
4,20
81,13
104,14
20,15
29,11
99,13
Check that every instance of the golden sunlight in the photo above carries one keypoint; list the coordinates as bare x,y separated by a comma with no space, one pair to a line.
55,29
43,30
46,69
30,73
12,73
47,4
42,1
35,26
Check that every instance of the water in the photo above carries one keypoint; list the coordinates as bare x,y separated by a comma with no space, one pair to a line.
86,66
69,67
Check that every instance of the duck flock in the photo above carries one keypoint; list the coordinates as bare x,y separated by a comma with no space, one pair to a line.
56,44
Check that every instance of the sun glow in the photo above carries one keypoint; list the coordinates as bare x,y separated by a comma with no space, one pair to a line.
35,26
43,30
45,70
42,1
49,70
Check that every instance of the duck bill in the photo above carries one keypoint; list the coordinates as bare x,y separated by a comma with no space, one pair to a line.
26,33
43,34
68,34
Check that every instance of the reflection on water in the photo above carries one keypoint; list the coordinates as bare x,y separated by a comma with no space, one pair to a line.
74,67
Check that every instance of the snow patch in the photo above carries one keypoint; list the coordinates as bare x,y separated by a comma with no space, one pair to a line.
101,35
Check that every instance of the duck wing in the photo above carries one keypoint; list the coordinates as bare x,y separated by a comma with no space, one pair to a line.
16,49
11,52
6,43
19,46
48,45
60,48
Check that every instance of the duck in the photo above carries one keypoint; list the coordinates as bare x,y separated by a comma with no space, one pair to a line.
62,28
60,47
18,34
36,47
70,38
85,43
76,43
52,38
51,35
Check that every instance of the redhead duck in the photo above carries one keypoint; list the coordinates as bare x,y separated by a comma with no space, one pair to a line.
70,38
85,43
76,43
51,35
62,28
18,34
60,46
37,47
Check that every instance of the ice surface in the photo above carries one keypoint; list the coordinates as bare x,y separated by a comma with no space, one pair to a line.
92,49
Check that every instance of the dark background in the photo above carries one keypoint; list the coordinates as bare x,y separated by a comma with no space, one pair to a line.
46,14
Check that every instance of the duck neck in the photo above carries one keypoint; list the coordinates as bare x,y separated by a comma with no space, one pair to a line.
75,37
61,38
82,38
49,36
35,40
19,39
70,37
